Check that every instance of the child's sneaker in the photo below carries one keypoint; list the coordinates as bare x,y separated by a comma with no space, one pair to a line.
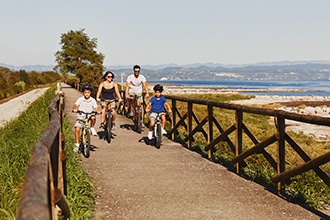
102,125
76,147
93,132
150,135
163,131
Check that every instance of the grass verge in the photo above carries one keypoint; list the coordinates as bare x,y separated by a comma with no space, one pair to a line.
17,139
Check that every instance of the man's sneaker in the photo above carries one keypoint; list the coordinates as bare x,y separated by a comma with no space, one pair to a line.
76,147
113,126
163,131
150,135
93,132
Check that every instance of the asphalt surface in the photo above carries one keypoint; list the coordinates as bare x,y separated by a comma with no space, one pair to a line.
14,107
135,180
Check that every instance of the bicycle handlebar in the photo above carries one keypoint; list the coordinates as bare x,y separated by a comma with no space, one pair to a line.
86,113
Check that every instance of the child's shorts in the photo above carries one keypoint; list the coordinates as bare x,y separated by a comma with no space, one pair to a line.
79,121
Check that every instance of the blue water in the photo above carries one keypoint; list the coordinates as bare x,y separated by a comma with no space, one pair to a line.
315,88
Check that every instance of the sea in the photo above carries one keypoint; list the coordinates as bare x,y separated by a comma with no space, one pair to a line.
260,88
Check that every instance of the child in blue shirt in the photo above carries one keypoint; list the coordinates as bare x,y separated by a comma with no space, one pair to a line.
157,104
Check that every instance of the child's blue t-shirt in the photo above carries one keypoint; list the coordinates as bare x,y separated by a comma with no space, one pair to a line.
157,105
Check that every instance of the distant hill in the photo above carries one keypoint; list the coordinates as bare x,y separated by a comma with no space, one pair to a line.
284,70
29,68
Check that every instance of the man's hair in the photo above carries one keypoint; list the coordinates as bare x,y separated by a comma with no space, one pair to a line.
136,67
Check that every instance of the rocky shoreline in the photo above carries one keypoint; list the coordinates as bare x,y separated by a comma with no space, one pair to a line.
181,89
308,105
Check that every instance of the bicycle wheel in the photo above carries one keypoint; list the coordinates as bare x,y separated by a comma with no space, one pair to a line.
158,135
87,144
139,120
109,127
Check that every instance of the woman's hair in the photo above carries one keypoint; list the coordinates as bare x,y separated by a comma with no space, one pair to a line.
106,74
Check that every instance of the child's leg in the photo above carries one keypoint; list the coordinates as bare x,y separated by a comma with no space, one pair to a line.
77,134
151,124
163,120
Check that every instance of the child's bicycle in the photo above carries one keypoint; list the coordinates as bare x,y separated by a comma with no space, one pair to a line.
85,133
108,120
158,133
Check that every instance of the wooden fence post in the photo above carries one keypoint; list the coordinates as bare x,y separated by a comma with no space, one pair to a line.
239,138
210,129
189,130
281,149
173,117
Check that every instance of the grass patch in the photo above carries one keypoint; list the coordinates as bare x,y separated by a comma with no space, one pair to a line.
16,142
81,191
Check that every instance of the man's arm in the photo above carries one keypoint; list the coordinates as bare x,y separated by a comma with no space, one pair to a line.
148,108
146,88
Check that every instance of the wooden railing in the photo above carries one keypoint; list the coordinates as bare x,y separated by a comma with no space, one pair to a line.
45,182
188,119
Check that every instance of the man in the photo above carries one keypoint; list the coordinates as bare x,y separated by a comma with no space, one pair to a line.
134,86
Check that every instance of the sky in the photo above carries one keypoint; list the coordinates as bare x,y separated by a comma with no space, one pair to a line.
153,32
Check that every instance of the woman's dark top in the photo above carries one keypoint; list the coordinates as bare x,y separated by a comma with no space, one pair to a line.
108,94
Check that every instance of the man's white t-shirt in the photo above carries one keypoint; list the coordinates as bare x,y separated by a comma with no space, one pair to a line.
135,84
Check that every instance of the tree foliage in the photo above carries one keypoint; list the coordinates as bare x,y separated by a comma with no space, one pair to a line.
14,82
79,57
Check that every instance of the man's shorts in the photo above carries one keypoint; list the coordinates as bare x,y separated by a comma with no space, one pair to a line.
138,94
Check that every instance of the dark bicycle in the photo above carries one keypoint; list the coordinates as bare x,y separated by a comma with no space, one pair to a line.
85,133
137,113
108,120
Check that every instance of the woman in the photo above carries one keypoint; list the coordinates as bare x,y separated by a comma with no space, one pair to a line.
107,91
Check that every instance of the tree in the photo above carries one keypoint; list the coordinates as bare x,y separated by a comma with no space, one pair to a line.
78,56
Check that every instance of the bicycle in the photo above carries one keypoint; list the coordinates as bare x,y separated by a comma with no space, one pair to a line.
158,134
137,114
108,120
85,133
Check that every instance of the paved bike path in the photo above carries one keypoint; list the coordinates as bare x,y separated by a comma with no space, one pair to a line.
137,181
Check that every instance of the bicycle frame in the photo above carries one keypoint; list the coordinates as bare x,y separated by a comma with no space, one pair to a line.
158,136
85,133
108,120
137,118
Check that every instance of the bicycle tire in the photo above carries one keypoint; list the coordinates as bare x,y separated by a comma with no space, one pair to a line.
87,144
139,120
109,127
158,135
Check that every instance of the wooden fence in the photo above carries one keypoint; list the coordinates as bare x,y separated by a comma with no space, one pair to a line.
194,125
45,182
